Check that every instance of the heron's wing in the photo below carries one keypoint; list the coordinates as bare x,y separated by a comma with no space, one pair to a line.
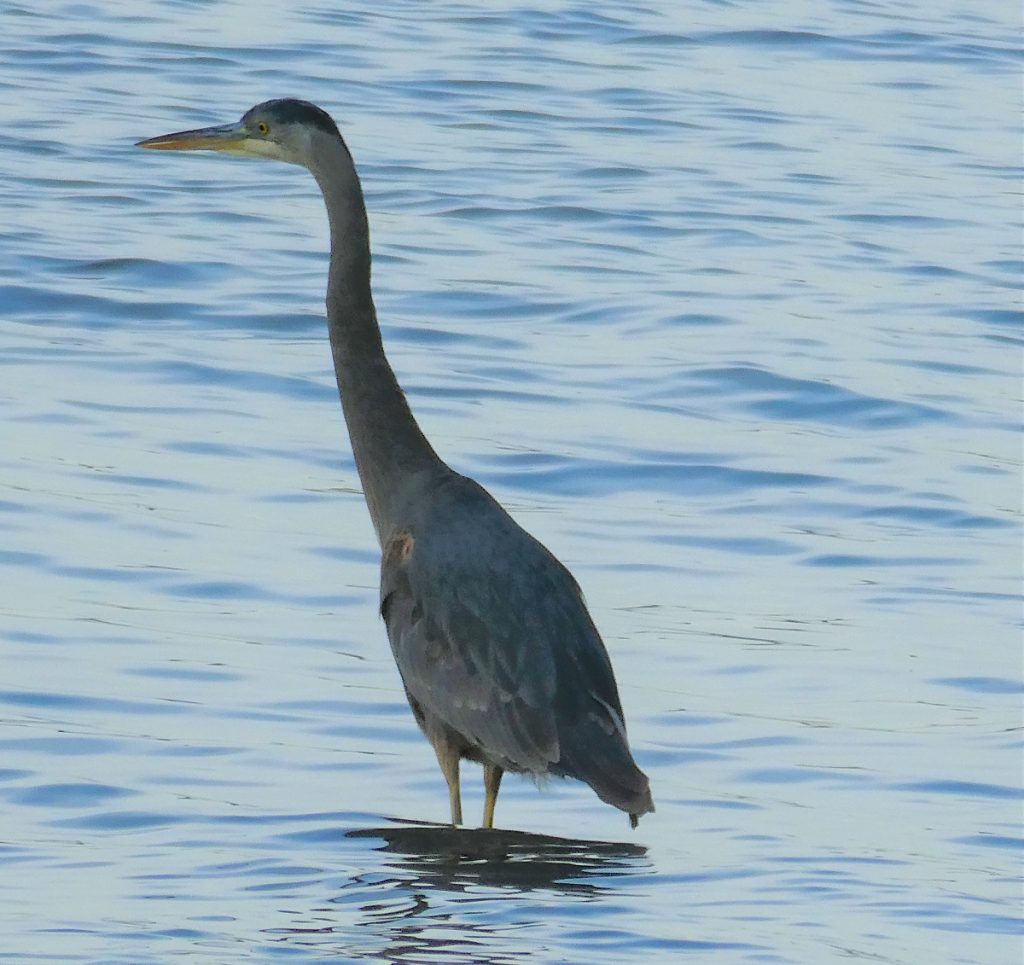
483,623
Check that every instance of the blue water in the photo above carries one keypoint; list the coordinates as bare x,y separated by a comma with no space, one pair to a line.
721,301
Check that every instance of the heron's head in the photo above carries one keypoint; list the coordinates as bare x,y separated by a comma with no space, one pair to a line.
284,130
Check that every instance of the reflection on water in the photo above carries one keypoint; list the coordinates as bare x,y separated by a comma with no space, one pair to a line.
458,859
444,894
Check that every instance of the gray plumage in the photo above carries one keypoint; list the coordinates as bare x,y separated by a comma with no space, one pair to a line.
499,657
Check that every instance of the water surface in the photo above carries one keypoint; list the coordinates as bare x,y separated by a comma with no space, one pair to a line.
721,303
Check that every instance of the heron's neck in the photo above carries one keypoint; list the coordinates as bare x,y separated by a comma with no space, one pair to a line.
391,453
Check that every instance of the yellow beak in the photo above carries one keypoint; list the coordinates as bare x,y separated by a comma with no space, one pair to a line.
228,138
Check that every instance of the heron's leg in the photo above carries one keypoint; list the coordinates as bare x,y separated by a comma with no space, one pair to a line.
448,758
455,795
492,781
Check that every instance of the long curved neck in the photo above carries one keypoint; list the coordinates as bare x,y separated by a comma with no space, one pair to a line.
391,453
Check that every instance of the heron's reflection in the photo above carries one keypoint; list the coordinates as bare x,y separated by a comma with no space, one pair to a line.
457,859
442,894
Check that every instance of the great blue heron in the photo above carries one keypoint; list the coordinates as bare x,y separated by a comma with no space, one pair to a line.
500,659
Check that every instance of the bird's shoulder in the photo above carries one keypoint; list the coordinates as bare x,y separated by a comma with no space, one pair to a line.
459,534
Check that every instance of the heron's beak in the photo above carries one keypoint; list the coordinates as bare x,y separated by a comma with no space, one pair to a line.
228,138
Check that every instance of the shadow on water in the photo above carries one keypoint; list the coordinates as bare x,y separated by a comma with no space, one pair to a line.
456,859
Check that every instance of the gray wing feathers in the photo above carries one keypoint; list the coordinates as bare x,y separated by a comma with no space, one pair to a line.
470,639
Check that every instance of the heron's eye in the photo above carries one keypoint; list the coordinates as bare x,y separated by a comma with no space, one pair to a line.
263,127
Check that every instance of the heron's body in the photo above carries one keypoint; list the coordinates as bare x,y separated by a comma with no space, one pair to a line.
499,657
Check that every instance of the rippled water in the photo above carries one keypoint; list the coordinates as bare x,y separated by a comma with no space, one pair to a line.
719,300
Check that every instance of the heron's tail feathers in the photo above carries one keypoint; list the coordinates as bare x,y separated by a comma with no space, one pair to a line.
605,763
